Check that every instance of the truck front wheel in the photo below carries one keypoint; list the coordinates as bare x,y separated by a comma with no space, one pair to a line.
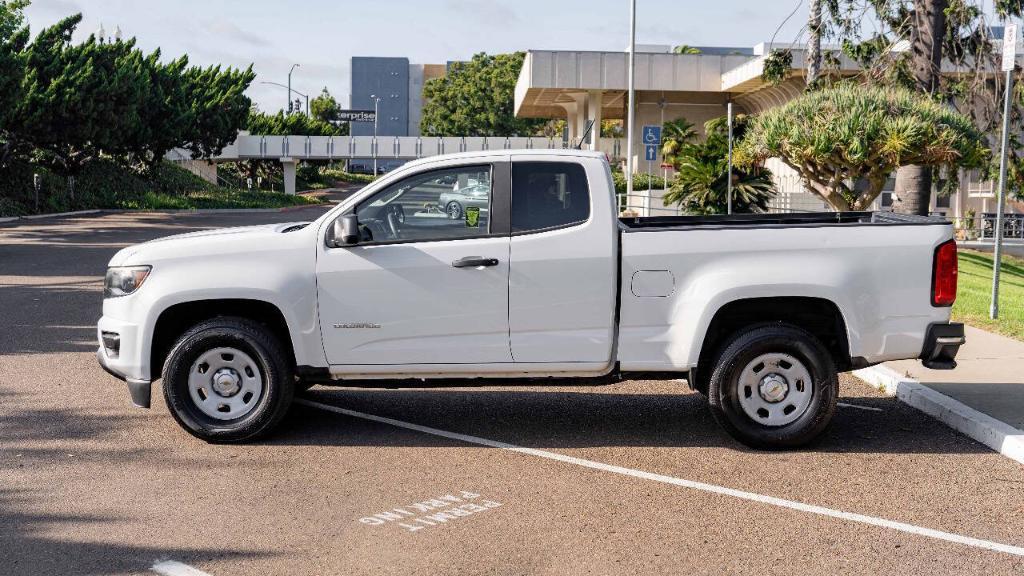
228,380
774,387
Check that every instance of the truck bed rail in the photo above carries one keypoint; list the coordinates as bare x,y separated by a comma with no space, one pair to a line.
816,219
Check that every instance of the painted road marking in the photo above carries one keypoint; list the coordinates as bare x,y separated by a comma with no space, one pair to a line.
692,484
859,407
432,512
174,568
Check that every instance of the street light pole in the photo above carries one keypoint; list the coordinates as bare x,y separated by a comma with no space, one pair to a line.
292,69
631,104
376,113
1009,63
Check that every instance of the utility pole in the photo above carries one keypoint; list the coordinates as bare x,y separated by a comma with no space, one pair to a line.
664,171
631,104
728,180
1009,61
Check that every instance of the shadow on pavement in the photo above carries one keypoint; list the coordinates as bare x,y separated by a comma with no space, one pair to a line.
574,419
33,543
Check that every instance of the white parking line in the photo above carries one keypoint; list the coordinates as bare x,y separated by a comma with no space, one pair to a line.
859,407
760,498
174,568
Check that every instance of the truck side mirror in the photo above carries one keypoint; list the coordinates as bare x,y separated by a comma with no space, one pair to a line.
346,231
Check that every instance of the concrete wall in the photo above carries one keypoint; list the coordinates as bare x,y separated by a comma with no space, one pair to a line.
203,168
697,108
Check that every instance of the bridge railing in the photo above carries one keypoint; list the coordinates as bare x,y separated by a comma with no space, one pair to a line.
255,146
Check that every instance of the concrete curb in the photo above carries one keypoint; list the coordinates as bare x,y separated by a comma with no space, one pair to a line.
59,214
997,435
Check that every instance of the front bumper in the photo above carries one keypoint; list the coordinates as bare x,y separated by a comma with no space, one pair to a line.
139,390
126,362
941,343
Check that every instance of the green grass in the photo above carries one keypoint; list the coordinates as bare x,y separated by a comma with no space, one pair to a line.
216,198
974,293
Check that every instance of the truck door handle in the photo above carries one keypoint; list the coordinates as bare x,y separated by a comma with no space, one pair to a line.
474,262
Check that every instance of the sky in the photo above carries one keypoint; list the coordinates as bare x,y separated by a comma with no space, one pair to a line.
321,35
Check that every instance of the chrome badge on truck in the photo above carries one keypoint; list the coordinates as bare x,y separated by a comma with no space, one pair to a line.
358,325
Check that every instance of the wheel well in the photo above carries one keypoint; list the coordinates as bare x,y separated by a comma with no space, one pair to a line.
818,316
177,319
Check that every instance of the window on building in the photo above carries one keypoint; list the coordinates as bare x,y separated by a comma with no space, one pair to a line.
547,195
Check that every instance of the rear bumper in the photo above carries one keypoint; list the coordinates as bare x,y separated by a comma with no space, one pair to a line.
941,343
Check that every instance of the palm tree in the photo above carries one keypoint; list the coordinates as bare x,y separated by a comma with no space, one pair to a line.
686,49
675,134
914,182
814,44
701,182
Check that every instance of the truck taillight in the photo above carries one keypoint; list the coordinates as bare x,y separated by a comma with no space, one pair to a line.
944,271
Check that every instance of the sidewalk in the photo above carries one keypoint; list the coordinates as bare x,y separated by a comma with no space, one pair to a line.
989,376
983,397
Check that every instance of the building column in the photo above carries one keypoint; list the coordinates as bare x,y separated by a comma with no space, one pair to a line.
594,103
581,116
289,175
570,118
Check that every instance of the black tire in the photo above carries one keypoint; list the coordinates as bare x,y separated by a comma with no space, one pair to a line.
742,350
266,352
454,210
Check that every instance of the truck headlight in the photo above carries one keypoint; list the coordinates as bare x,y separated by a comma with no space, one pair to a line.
124,280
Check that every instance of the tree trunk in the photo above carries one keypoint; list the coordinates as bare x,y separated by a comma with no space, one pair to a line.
814,43
914,183
913,190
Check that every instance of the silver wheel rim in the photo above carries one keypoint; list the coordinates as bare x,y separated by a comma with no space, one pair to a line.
454,211
225,383
775,389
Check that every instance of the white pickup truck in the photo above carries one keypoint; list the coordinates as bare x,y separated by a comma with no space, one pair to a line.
514,264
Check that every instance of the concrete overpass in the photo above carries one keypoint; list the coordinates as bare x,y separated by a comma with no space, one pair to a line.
290,150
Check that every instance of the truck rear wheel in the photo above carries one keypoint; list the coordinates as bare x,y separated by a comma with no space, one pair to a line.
228,380
774,387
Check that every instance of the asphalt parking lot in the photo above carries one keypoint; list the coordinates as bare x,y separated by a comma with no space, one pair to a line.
629,478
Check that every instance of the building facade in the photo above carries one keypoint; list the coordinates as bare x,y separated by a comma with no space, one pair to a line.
583,86
399,87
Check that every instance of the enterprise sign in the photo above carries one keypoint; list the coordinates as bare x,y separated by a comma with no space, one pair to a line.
357,115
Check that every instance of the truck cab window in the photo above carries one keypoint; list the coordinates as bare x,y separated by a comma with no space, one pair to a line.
548,195
436,205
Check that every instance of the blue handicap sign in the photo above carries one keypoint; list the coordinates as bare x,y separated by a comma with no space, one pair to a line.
651,135
650,152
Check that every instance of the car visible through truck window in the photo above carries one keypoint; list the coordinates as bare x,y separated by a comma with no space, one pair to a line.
437,205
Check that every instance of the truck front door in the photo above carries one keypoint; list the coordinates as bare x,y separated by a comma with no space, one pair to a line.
428,281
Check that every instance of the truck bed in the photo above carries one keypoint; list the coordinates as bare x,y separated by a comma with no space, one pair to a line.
875,268
813,219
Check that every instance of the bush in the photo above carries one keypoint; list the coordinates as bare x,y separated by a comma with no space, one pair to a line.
640,182
342,176
104,183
